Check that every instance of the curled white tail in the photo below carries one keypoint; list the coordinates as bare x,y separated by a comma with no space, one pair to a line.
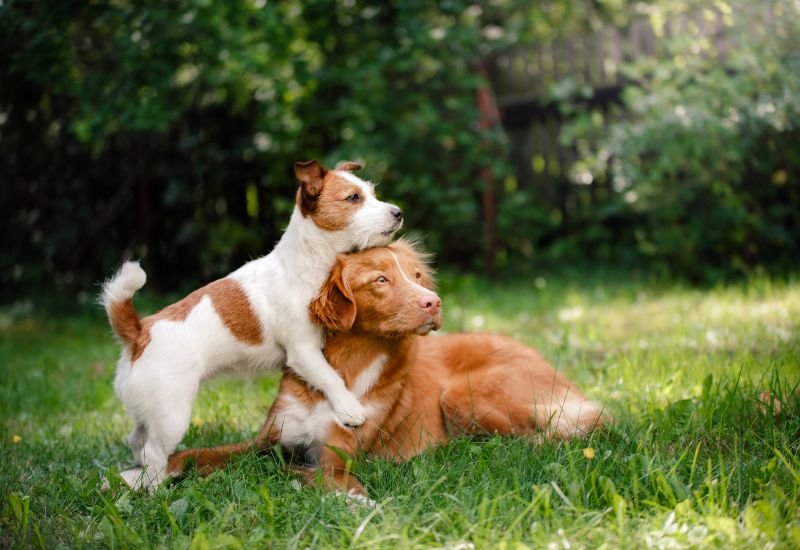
129,278
116,298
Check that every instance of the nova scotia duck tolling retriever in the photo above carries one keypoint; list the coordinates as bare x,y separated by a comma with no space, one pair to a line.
419,390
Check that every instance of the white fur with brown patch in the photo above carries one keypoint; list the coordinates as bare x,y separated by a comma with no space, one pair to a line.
158,381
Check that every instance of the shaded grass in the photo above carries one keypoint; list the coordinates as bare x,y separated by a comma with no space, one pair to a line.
694,460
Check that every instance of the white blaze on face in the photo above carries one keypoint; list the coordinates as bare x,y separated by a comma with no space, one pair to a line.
374,224
407,279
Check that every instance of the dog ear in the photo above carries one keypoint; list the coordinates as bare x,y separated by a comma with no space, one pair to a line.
310,173
348,165
335,306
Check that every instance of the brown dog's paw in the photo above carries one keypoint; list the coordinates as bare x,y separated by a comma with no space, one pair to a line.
766,402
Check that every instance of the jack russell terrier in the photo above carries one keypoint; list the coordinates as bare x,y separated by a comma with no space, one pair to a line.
256,318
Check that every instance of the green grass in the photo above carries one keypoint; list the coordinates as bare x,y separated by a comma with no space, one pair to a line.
692,462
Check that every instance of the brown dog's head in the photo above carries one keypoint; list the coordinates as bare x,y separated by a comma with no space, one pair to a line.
386,291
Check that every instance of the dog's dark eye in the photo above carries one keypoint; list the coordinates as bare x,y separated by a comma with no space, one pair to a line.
353,198
419,274
381,279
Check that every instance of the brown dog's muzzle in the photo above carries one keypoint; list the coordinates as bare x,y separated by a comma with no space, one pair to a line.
431,306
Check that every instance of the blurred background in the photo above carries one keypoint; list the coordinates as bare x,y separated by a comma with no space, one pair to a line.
657,138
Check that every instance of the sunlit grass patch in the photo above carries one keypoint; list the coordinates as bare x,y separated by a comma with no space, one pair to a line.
703,384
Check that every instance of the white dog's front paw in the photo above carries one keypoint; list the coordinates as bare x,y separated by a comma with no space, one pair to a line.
350,411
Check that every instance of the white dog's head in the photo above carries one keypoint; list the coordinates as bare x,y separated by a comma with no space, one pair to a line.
339,202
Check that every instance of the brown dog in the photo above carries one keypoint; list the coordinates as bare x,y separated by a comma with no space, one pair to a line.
418,391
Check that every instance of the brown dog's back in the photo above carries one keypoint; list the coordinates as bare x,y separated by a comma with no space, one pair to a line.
459,384
482,383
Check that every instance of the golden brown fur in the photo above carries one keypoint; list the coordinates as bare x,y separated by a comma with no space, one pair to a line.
429,389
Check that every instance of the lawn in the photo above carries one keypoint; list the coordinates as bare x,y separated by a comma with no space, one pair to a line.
694,459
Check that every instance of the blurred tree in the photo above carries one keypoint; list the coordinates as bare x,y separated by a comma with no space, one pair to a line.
141,131
167,131
704,154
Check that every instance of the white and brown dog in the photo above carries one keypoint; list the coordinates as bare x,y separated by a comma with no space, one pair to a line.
255,318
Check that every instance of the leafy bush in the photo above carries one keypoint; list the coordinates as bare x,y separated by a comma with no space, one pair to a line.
168,132
705,156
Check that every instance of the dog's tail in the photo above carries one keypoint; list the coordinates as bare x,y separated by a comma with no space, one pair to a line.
207,460
117,298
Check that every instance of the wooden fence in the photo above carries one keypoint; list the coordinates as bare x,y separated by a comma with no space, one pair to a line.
522,79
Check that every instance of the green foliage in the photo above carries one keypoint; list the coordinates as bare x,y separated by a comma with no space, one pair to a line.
704,155
698,457
169,131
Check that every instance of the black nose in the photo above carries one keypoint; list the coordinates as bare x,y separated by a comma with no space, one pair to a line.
397,213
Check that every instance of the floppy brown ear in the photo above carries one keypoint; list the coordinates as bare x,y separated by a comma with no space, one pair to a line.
348,165
335,306
310,173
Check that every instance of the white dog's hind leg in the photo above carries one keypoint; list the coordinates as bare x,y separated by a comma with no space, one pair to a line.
165,411
163,435
133,478
136,441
